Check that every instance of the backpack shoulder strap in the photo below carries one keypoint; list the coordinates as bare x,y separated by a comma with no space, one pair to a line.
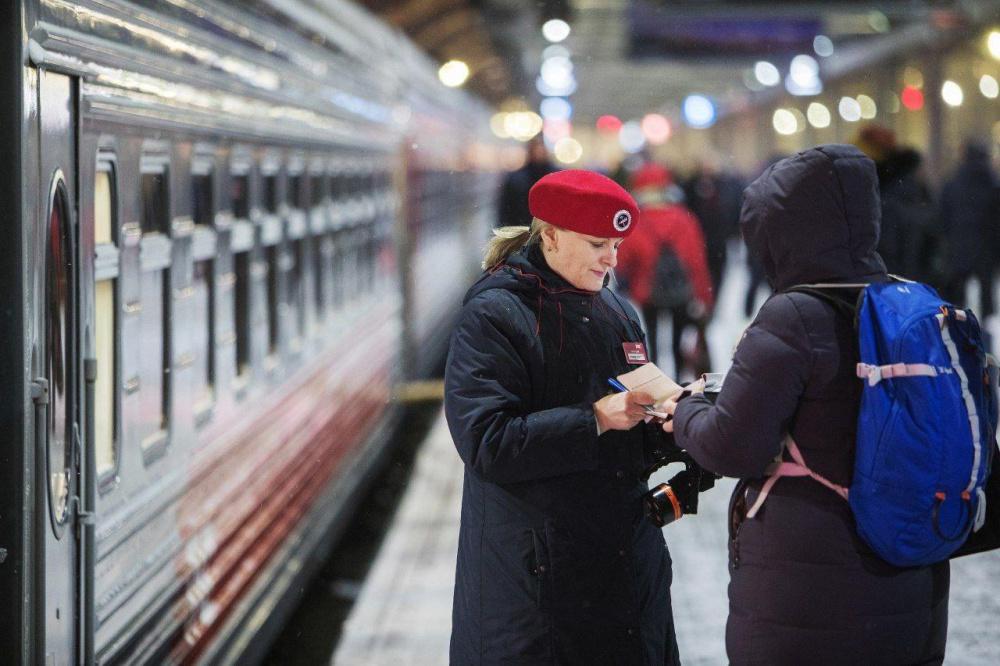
840,296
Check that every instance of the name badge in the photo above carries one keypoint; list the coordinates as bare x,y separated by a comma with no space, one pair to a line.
635,353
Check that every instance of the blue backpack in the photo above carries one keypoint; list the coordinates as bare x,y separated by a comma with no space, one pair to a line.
926,428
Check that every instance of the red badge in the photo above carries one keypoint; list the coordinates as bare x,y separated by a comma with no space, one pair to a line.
635,353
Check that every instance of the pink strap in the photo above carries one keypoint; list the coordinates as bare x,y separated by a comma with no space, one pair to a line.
876,373
797,468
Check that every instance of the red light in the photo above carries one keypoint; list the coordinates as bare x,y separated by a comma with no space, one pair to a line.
912,98
609,124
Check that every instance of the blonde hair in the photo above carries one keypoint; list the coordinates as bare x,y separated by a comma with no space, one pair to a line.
508,240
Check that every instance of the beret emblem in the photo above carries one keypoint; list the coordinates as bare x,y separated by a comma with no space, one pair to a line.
622,220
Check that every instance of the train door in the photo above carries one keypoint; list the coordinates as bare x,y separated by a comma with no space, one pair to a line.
57,387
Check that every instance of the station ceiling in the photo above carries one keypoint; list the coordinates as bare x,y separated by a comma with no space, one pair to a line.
632,57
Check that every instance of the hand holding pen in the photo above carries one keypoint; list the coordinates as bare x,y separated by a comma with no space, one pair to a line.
622,411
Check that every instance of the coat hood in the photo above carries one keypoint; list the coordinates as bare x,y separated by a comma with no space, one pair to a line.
814,217
525,271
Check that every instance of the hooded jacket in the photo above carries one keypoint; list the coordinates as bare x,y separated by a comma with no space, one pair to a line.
804,588
556,562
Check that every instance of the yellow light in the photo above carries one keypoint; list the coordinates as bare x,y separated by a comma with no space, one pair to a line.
784,122
988,86
952,93
523,125
868,108
568,150
497,124
993,44
453,73
818,115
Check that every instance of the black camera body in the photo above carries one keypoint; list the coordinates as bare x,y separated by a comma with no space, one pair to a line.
670,501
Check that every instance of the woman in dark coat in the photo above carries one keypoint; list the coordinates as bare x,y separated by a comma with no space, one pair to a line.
804,589
556,563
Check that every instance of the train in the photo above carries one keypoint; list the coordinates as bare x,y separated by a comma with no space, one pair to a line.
233,229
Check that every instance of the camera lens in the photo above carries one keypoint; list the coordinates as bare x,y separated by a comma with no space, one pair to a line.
662,505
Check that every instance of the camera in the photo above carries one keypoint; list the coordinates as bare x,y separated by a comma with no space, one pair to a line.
670,501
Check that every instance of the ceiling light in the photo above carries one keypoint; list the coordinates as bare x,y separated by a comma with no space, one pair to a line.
912,98
656,128
453,73
609,123
555,30
699,111
767,73
568,150
784,122
631,138
988,86
849,109
823,46
952,94
818,115
993,44
556,108
868,108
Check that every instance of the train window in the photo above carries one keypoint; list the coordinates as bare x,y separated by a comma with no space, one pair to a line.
297,285
241,304
273,255
203,284
155,212
319,273
155,313
296,191
271,193
239,192
105,326
60,344
317,190
203,198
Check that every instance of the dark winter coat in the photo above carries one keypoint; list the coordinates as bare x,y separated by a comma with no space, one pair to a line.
512,201
970,214
804,588
556,563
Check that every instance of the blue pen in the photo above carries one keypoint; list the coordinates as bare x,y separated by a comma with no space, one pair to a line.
618,386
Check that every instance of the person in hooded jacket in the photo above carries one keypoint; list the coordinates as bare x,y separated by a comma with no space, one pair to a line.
556,561
804,588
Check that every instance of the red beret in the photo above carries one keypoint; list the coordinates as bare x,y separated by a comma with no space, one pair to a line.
651,175
585,202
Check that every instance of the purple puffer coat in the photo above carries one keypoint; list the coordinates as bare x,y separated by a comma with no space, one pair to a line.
804,589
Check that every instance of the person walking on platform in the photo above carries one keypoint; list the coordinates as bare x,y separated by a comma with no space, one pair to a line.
970,220
556,562
804,588
664,267
512,203
714,197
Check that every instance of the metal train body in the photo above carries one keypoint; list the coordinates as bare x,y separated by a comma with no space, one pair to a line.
231,229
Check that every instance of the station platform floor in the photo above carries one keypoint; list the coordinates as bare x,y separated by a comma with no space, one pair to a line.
403,612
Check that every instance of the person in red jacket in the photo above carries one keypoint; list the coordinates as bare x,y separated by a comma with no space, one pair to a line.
664,267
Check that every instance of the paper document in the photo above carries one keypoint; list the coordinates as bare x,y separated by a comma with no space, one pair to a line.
650,379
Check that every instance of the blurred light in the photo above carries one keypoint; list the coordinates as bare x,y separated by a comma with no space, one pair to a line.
823,46
556,108
556,91
655,128
557,71
868,108
912,98
818,115
498,125
803,76
554,51
555,129
523,125
568,150
988,86
893,103
993,44
608,123
766,73
878,21
555,30
849,109
453,73
630,137
951,93
803,69
699,111
784,122
913,78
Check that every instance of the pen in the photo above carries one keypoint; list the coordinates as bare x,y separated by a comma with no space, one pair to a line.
618,386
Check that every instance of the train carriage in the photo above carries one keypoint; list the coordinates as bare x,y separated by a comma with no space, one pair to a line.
235,228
